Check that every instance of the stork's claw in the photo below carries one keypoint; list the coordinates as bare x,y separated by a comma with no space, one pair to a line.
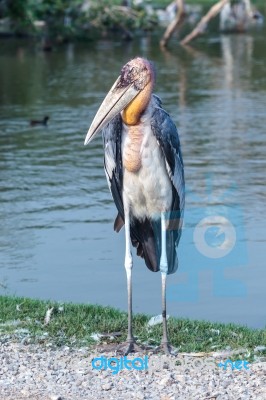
131,347
124,348
166,348
128,346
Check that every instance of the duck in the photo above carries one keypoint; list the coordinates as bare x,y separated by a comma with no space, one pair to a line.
35,122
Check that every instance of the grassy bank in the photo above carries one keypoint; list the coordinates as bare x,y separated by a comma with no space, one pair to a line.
23,319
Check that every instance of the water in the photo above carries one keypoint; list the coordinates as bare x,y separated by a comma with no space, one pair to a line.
56,212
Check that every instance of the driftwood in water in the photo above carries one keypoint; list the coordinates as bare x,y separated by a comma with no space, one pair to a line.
242,12
200,28
175,24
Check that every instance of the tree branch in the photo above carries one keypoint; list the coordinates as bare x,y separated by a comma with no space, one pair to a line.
175,24
199,29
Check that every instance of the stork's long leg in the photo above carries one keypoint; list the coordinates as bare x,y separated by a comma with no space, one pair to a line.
165,341
128,267
164,270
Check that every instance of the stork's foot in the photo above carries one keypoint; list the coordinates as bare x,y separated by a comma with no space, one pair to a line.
165,348
124,348
131,347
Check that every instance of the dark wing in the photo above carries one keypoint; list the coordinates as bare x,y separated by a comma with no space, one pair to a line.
167,136
113,165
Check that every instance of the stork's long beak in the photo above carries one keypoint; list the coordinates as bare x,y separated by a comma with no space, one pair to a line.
115,101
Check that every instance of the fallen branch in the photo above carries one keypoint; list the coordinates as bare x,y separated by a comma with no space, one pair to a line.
175,24
200,28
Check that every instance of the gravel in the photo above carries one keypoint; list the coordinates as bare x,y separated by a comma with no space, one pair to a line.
44,372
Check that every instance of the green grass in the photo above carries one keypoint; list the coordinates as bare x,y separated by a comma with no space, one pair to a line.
73,324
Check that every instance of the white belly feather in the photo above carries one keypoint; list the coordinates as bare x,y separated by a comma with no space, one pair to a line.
147,191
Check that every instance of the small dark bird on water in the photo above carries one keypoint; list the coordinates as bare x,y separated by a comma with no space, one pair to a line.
145,174
43,121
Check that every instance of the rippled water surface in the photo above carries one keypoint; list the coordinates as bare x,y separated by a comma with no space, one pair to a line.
56,212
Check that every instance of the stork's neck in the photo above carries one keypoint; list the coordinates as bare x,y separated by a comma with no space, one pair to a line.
132,113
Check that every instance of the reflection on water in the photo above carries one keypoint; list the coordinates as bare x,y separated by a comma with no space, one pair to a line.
56,238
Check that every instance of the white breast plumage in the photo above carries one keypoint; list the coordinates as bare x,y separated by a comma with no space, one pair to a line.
148,187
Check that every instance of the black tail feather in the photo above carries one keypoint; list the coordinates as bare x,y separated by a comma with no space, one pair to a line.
146,238
143,238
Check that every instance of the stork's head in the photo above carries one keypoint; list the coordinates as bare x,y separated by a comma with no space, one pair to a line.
138,72
130,94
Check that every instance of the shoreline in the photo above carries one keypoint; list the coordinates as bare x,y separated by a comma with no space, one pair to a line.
32,321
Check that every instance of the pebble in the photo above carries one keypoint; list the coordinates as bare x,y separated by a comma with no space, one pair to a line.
37,372
180,378
139,395
107,386
167,380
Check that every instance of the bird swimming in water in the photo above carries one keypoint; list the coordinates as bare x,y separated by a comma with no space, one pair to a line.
145,174
43,121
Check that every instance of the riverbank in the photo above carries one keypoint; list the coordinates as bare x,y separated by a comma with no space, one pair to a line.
29,321
47,351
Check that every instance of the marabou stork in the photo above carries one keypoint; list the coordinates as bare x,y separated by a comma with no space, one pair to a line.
144,170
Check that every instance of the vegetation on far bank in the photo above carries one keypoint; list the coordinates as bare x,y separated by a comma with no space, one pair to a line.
85,19
48,322
75,18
